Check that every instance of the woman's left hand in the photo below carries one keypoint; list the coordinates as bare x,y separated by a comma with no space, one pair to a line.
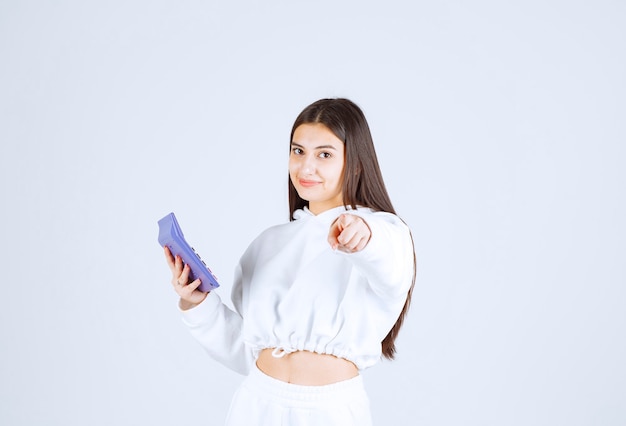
349,233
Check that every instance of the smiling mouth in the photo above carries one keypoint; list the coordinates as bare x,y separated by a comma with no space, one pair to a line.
307,183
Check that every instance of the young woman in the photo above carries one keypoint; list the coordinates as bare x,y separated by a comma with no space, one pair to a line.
316,299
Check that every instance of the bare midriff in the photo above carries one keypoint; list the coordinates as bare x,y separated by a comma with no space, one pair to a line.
306,368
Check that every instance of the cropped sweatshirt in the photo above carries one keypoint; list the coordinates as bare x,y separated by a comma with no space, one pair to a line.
293,292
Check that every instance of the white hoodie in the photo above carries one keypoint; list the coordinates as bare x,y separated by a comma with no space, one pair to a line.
293,292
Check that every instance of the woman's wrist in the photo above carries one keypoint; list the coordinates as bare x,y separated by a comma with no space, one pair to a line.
185,305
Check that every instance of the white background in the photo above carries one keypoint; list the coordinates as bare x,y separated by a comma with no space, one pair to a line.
500,128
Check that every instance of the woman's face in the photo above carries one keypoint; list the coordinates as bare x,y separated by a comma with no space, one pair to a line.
316,165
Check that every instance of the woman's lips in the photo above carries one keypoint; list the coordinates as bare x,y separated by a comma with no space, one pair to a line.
307,183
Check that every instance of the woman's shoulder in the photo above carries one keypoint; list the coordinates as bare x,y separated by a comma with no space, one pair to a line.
273,233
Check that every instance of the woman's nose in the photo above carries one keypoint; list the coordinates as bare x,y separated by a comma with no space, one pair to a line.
308,165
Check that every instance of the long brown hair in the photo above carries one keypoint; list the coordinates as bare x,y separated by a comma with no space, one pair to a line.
363,183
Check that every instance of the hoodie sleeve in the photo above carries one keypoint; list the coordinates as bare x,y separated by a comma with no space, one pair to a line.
388,259
218,329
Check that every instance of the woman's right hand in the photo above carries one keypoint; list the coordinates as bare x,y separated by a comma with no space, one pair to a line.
189,294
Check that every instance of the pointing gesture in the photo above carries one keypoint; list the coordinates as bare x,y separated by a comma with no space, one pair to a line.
349,233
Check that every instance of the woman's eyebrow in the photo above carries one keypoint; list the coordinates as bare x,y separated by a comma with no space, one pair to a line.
297,145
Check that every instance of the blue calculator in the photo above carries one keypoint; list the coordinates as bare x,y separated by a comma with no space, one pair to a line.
171,235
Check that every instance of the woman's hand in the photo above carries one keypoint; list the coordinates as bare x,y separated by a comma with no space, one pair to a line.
189,294
349,233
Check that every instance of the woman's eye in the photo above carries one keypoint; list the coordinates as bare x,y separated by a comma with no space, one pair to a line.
325,155
296,151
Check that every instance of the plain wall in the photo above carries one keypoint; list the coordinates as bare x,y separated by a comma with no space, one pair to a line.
501,135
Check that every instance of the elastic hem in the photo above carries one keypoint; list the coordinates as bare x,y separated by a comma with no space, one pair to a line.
359,362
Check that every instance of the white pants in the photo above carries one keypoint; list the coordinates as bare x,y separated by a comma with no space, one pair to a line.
262,400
